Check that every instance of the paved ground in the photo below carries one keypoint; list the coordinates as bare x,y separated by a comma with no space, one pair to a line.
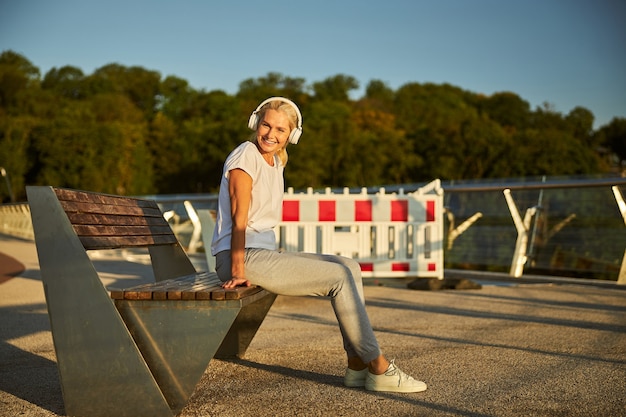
535,349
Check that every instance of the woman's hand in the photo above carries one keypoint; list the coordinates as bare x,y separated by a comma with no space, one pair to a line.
236,282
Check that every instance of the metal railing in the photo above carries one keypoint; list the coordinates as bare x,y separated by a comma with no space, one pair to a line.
562,227
15,220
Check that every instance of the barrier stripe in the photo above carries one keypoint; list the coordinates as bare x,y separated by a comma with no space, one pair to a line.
327,211
399,210
363,210
395,267
367,266
359,210
400,266
291,211
430,211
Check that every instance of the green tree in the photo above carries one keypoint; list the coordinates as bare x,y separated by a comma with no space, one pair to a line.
444,131
252,91
20,102
613,137
385,152
190,154
550,152
507,109
65,82
95,145
141,86
323,157
378,95
122,134
336,88
18,76
580,124
15,134
175,99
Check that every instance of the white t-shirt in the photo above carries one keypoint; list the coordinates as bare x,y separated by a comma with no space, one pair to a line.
266,203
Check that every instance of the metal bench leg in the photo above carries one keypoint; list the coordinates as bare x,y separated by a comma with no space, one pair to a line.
244,328
101,369
178,340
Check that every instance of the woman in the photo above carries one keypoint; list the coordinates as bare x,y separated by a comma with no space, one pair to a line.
244,244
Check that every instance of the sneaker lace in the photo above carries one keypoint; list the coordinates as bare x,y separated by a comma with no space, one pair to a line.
393,370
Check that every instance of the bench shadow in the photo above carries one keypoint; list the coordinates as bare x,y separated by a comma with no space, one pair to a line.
26,375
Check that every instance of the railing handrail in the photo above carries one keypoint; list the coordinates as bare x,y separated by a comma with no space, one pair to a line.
535,185
501,184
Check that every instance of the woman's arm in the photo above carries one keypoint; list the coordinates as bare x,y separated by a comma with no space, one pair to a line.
240,191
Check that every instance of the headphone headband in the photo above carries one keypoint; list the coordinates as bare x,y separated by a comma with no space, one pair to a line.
295,134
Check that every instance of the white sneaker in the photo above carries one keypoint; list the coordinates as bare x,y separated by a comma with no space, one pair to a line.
393,380
355,378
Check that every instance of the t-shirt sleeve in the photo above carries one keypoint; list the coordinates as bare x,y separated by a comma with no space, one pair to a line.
243,158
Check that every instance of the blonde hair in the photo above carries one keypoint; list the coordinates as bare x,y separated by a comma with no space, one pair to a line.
292,116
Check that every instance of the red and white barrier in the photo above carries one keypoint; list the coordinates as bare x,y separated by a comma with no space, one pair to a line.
390,235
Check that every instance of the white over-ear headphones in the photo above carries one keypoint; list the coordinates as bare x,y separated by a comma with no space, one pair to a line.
295,133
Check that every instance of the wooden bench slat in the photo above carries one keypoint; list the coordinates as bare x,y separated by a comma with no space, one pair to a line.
107,230
203,286
168,289
112,220
89,197
200,288
108,242
110,209
201,291
241,292
234,293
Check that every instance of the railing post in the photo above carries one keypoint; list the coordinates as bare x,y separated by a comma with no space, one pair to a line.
197,227
454,232
523,227
621,279
5,175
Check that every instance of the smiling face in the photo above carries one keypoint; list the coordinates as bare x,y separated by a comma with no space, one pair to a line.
272,133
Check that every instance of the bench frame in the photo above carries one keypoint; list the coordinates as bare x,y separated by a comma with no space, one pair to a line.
131,357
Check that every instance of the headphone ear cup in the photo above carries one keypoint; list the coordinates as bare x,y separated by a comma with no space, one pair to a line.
252,122
295,135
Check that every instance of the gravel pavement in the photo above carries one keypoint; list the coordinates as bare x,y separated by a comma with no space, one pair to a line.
507,349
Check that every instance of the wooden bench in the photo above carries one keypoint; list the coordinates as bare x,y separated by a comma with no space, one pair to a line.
137,351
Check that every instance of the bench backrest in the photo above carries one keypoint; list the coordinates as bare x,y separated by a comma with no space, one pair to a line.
111,222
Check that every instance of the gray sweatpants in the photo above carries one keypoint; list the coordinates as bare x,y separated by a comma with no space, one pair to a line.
309,274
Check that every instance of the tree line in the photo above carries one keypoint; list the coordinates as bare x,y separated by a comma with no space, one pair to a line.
130,131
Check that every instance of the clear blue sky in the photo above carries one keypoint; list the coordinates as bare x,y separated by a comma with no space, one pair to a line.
567,53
